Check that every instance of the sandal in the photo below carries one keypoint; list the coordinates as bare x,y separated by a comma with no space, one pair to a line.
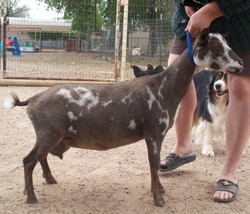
173,161
226,186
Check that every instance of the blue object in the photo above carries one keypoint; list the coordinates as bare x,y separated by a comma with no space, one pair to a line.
15,49
1,48
189,46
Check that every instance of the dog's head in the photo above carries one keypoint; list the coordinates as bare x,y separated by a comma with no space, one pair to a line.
211,50
218,84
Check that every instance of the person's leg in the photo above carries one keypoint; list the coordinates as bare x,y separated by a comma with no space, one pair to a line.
237,128
183,123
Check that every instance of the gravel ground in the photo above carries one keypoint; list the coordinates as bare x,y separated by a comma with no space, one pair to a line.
114,181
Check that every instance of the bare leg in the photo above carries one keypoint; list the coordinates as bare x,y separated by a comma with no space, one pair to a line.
183,123
184,119
237,128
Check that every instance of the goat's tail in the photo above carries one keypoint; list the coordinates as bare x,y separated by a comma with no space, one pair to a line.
12,100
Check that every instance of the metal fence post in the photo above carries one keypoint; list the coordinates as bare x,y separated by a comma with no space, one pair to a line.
5,23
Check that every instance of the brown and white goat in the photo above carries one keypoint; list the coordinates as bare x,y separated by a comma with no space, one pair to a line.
101,117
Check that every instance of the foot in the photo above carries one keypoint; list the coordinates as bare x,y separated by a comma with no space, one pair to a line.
207,150
159,202
173,161
49,178
31,197
226,191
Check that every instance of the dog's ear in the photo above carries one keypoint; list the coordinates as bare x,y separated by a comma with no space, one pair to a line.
203,37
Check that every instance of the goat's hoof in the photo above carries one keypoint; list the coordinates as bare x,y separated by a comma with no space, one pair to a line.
159,203
31,200
50,179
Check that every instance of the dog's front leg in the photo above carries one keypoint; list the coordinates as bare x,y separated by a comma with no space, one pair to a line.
154,149
207,148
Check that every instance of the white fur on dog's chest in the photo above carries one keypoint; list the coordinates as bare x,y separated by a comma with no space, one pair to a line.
218,114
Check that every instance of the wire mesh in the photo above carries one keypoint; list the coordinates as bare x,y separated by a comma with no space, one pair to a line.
82,45
150,31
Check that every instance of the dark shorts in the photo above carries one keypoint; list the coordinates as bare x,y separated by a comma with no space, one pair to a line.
179,45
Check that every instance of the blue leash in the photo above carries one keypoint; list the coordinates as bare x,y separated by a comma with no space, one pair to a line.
189,46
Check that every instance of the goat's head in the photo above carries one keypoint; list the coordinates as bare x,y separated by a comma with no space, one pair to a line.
212,50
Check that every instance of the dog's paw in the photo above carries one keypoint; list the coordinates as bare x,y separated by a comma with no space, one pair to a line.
207,150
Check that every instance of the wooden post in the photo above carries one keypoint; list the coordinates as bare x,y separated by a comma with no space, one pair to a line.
117,39
124,39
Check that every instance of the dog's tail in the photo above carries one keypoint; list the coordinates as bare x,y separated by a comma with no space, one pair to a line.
12,100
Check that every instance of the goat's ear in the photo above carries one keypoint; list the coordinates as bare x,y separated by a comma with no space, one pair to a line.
203,37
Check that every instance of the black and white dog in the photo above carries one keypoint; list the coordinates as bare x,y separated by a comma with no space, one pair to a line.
209,116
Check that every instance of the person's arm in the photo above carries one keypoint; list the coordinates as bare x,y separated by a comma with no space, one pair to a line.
233,7
203,18
215,9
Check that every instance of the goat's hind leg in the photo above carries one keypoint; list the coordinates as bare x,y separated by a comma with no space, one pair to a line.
46,171
38,153
29,163
154,149
57,150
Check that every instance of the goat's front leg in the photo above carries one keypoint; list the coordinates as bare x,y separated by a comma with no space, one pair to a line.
154,148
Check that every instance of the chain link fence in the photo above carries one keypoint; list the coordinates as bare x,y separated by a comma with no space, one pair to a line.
82,45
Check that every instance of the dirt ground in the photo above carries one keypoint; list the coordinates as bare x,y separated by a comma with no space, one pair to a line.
69,65
115,181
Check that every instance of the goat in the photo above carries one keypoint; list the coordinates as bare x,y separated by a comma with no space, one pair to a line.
106,116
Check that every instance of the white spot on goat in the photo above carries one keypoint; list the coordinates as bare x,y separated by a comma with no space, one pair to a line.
132,124
65,93
155,147
127,99
85,96
72,116
152,98
161,87
106,103
165,122
71,129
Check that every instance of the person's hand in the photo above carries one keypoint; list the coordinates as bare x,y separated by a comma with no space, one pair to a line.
190,10
202,18
197,22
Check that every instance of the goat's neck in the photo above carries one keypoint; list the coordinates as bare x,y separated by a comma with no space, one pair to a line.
179,76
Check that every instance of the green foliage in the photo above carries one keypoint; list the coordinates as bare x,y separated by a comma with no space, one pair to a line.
14,11
85,14
90,14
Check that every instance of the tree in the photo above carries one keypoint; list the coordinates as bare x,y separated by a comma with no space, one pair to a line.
153,15
15,11
85,14
89,15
